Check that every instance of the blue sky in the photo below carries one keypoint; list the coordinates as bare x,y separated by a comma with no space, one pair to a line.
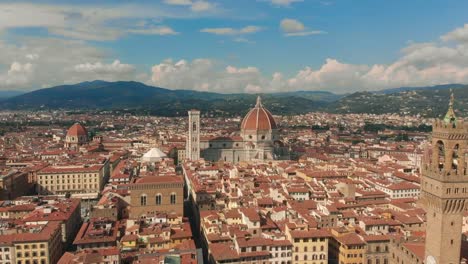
235,46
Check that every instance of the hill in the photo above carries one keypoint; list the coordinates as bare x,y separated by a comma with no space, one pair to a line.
139,97
429,101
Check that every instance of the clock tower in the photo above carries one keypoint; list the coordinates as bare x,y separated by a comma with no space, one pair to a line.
445,188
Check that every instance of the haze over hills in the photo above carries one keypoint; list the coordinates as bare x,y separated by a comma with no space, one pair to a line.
426,102
138,97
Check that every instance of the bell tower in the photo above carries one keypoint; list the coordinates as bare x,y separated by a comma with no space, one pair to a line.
445,188
193,140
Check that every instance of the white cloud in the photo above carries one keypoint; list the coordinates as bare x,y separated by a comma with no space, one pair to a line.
283,2
232,31
203,74
195,6
178,2
40,62
200,6
420,64
102,68
243,40
295,28
17,74
458,35
289,25
86,22
32,56
162,30
304,33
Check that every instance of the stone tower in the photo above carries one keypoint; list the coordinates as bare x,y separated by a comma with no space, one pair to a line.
193,140
445,188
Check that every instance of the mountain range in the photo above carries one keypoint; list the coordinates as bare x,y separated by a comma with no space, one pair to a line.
140,98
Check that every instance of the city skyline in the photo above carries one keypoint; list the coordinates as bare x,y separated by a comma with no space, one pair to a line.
247,46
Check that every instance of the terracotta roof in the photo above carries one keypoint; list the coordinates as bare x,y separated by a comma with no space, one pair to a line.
258,118
159,179
77,130
310,233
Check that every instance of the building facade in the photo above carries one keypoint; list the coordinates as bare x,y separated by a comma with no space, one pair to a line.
193,141
80,181
445,189
77,135
30,242
258,139
156,194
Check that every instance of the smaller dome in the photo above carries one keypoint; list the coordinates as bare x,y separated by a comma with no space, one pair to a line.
153,155
77,130
258,118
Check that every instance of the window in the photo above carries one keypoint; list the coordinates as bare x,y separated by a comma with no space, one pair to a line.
158,199
143,199
173,198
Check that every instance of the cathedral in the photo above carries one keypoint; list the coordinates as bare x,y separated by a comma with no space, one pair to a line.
257,140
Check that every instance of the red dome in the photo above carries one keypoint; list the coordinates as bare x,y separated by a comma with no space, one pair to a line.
258,118
77,130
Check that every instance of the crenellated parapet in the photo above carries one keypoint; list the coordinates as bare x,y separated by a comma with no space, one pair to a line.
444,187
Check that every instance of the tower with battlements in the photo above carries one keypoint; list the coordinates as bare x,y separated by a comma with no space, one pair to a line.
445,188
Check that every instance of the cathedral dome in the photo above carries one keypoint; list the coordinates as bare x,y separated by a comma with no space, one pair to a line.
258,118
77,130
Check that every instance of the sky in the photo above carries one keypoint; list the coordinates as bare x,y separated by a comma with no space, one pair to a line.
231,46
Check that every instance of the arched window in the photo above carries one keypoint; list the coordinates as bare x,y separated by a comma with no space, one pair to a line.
321,248
440,154
158,199
143,200
173,198
455,157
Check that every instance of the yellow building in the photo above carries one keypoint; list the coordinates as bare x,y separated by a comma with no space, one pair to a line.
31,243
347,247
309,246
79,181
